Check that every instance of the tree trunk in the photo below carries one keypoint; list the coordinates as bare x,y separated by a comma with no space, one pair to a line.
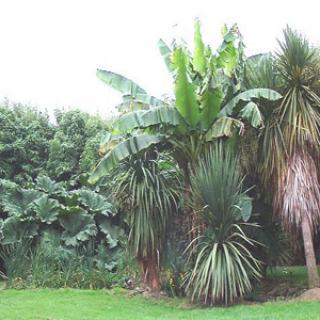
309,252
150,274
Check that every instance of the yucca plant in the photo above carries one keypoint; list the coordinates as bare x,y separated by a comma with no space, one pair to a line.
224,267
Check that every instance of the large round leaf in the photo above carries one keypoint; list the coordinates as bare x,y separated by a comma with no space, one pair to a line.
77,228
46,209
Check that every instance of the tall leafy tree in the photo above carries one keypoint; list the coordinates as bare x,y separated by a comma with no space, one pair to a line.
25,135
74,147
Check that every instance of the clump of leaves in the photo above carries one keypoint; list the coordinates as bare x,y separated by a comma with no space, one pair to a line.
223,267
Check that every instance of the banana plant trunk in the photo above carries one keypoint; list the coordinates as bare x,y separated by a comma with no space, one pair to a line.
313,277
150,274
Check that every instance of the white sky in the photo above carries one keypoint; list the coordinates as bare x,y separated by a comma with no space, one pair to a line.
50,49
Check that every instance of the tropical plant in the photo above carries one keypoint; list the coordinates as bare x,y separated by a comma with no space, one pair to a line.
148,190
289,142
78,217
224,266
207,92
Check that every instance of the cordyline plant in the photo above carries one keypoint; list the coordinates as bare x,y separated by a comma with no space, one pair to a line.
290,137
148,191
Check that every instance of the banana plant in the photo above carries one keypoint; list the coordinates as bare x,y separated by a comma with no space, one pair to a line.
208,102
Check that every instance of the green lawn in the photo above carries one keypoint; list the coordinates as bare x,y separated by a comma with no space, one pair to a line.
295,276
67,304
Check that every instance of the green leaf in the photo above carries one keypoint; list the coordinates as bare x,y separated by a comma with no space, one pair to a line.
252,114
247,96
107,258
166,54
123,150
47,185
46,209
246,207
186,99
95,202
210,104
148,100
147,118
72,209
120,83
223,127
19,202
199,58
14,230
228,54
113,232
77,228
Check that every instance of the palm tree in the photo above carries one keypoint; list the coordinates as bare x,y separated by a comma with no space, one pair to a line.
289,142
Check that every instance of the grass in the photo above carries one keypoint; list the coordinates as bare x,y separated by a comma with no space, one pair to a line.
295,276
68,304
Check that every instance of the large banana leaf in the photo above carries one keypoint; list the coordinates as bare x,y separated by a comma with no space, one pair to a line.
199,58
211,102
166,54
131,91
252,114
120,83
186,99
144,99
147,118
260,72
228,53
247,96
123,150
223,127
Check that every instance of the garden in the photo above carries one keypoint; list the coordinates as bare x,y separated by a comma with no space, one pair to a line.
204,204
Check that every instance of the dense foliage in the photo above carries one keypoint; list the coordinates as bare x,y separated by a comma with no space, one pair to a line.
58,227
188,186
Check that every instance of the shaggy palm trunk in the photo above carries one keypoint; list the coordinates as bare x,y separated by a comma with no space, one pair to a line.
313,276
150,274
298,202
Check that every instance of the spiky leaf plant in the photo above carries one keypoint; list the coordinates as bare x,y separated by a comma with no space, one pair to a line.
224,267
289,144
148,191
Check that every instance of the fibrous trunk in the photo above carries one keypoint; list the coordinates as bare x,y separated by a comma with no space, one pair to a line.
150,273
313,277
298,203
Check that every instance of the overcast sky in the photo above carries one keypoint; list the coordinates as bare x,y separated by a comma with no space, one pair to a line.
50,49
